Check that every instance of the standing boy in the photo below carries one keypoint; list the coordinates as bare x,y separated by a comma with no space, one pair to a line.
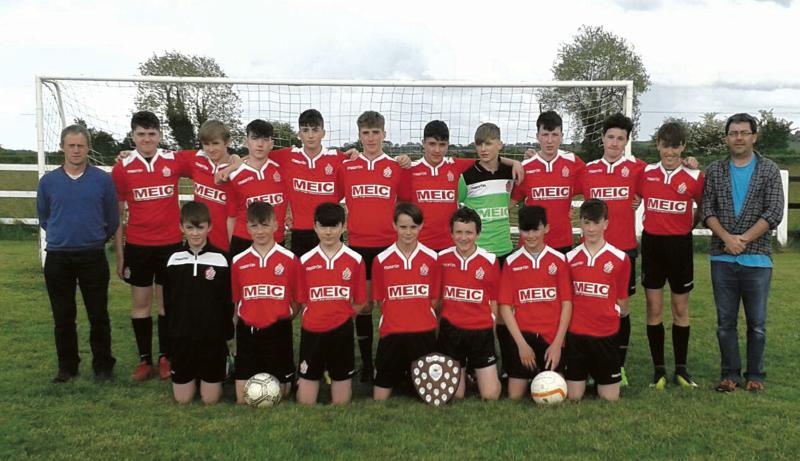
668,190
599,273
197,287
536,303
405,283
147,181
264,285
332,285
470,276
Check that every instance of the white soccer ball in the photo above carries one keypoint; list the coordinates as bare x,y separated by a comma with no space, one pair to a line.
262,390
548,388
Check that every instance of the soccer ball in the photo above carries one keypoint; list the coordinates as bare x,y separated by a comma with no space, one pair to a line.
549,388
262,390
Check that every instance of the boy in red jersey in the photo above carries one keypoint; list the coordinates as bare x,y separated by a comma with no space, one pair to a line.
258,179
369,184
668,190
550,181
614,179
535,301
469,276
147,181
264,286
599,273
405,281
332,285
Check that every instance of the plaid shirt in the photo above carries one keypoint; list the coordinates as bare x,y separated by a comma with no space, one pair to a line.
764,200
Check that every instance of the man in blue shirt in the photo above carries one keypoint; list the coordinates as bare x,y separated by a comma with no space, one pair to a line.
742,202
77,207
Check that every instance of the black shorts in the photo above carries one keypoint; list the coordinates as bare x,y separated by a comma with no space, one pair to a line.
331,350
303,241
506,343
472,348
267,350
514,366
238,245
632,254
204,360
146,264
395,354
368,253
668,257
593,355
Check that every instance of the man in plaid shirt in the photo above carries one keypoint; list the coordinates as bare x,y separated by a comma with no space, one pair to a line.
742,202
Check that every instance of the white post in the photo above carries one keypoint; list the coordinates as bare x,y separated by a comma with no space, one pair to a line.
783,227
40,157
629,112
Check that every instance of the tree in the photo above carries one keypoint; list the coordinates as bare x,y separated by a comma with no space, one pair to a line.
104,147
773,133
284,135
594,54
703,138
186,106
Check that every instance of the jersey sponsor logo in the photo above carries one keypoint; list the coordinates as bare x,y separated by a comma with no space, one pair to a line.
520,268
201,166
537,294
354,167
246,266
610,193
209,193
298,162
436,196
666,206
653,179
210,273
460,294
492,214
391,266
314,267
312,187
136,170
329,293
448,265
411,291
480,273
245,180
550,193
142,194
263,291
533,171
420,173
272,199
371,191
476,189
590,289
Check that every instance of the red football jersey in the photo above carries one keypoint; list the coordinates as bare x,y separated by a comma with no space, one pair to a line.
310,181
263,288
467,287
551,185
370,191
201,169
151,190
248,185
535,288
405,288
330,287
434,189
667,198
616,184
597,283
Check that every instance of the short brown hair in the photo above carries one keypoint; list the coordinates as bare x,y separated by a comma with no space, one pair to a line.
371,119
487,132
671,134
212,130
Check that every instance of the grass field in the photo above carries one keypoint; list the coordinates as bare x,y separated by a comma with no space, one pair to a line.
124,420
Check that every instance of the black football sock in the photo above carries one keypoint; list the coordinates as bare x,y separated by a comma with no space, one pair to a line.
163,336
624,338
680,345
143,331
364,334
655,336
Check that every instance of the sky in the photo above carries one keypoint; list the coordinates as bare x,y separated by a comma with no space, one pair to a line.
721,56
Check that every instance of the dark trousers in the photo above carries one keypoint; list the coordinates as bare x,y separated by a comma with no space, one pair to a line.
63,271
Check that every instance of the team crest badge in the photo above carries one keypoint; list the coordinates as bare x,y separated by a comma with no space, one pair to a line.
329,169
126,273
276,177
479,274
682,188
387,172
552,269
303,367
625,172
565,172
166,172
450,176
608,267
346,274
210,273
279,269
423,270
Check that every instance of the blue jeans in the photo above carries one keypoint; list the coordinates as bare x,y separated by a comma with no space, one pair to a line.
733,283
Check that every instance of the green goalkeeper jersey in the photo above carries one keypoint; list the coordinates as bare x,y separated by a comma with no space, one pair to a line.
489,194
